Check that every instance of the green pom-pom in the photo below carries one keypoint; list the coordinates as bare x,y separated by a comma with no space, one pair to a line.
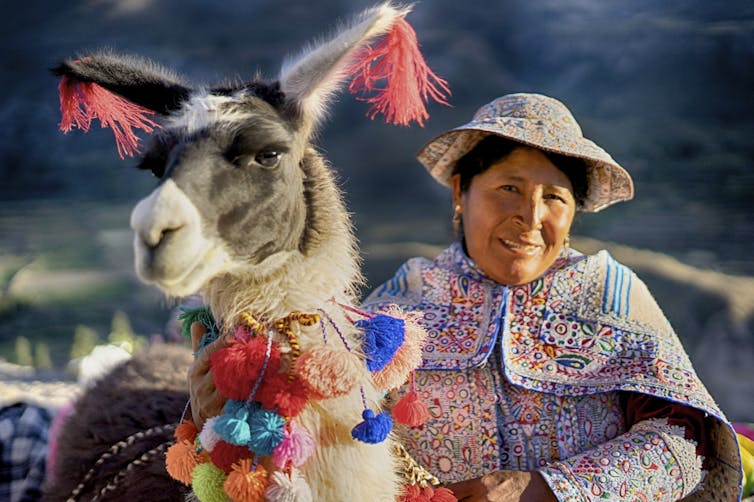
207,483
189,316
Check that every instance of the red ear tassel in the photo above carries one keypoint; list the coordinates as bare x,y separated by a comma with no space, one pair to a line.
80,102
408,79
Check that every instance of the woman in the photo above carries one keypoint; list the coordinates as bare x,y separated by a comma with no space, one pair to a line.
550,375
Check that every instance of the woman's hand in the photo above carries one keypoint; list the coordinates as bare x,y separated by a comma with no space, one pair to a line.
206,402
504,486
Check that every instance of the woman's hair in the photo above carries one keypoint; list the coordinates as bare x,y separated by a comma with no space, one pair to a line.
493,149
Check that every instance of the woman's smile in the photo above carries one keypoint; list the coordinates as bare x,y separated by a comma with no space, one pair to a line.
522,248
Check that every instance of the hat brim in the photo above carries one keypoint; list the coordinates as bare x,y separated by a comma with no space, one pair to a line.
608,182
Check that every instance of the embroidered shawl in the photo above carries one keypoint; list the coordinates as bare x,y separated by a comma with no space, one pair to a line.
589,325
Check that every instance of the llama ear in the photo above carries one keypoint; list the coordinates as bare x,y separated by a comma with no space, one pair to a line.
120,91
310,80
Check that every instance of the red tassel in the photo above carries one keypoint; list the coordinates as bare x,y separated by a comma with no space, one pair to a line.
410,410
443,495
80,102
412,493
224,455
408,79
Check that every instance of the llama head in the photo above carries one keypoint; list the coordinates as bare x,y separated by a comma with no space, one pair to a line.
238,179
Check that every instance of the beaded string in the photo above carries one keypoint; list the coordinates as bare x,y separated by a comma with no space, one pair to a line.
267,354
322,325
337,330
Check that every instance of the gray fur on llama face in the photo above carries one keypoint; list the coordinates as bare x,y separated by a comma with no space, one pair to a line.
231,194
238,177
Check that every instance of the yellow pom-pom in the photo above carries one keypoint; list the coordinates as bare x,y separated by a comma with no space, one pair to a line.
207,483
186,431
245,485
180,461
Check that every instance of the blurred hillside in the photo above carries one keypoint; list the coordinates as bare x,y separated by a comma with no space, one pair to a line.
665,87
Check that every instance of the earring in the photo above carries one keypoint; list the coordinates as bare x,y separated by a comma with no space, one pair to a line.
457,214
567,241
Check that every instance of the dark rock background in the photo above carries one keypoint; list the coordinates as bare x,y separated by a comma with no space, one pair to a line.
665,87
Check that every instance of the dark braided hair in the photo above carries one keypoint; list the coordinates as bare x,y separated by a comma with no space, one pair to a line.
493,149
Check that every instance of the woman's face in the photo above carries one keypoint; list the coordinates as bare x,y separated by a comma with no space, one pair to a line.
516,216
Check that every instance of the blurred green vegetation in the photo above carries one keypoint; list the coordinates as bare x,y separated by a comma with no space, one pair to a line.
69,284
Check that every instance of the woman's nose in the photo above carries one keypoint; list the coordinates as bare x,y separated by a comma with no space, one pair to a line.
530,212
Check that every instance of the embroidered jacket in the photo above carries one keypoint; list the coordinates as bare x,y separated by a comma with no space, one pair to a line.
530,377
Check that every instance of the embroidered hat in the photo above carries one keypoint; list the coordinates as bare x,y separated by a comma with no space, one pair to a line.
538,121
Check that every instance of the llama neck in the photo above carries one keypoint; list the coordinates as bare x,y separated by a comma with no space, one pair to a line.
326,265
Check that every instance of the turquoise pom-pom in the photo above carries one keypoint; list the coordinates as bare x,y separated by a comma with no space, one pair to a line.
266,430
233,426
374,429
383,336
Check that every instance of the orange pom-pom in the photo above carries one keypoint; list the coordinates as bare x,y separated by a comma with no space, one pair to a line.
181,460
410,410
407,358
328,372
224,455
186,431
245,485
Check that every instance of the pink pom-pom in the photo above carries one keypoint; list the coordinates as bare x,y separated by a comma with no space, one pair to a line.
407,358
237,367
410,410
297,446
208,438
329,372
224,455
278,392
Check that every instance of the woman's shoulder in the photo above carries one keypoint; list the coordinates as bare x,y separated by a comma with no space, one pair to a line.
405,287
597,287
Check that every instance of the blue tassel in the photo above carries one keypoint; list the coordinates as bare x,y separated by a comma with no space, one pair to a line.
233,424
374,429
266,428
383,336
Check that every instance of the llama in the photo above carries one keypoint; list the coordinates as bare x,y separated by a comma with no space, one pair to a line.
247,212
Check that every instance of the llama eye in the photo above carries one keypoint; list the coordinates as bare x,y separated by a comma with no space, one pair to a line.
154,163
268,158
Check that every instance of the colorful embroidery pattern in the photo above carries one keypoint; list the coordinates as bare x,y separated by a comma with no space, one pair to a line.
566,342
637,465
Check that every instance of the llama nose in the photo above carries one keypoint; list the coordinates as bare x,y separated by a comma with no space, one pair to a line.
161,214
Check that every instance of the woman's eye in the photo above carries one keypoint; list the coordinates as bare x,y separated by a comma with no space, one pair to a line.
554,196
508,188
268,158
